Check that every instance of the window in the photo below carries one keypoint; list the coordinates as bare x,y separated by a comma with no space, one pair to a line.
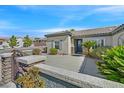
99,43
95,46
57,44
1,43
102,42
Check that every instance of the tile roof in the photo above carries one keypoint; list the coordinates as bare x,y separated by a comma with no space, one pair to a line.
59,33
88,32
102,30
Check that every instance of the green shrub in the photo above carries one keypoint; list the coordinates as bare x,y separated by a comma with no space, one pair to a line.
112,65
53,51
97,52
36,51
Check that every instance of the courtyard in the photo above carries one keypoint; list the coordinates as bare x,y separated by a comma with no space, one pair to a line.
80,64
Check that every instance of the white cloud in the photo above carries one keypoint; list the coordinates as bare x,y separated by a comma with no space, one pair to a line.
75,13
28,7
37,32
110,13
111,9
114,11
7,25
52,30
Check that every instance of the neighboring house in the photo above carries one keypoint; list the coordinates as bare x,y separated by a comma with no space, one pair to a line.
2,40
3,43
40,42
69,42
19,42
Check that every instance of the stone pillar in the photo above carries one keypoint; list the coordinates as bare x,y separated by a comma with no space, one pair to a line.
69,45
6,68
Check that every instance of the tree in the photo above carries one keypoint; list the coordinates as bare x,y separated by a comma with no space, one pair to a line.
72,29
27,41
88,45
13,41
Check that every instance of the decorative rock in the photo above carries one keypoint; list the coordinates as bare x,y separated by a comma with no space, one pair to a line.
8,85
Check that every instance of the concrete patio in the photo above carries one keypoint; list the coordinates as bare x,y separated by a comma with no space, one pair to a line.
80,64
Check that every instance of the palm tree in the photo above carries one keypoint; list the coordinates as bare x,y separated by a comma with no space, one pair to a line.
88,45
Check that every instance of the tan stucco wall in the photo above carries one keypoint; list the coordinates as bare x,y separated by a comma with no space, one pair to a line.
108,39
66,44
115,38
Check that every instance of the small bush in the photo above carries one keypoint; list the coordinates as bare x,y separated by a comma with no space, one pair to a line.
53,51
31,79
36,51
98,52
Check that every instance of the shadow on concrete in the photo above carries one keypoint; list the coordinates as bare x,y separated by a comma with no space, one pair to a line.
89,67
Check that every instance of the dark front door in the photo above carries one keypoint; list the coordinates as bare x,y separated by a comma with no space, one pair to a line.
78,46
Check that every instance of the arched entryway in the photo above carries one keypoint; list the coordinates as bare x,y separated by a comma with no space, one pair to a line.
121,39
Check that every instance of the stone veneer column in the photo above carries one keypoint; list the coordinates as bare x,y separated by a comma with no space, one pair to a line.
6,68
0,70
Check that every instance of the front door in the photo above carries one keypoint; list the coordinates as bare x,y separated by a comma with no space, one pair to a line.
78,46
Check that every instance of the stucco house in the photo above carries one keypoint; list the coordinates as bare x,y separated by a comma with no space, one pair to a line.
40,42
69,42
3,43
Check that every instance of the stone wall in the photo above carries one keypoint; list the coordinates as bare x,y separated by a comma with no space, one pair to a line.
81,80
78,79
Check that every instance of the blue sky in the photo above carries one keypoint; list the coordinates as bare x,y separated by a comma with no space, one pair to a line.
37,21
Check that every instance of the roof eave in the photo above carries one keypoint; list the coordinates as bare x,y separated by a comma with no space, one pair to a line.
59,34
